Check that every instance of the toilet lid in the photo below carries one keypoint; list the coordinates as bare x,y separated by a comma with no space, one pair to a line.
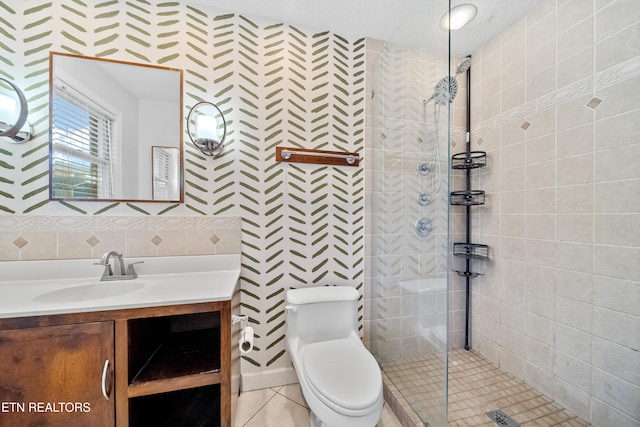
344,373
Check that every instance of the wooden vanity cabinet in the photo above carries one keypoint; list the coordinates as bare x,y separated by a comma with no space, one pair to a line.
56,375
174,369
172,366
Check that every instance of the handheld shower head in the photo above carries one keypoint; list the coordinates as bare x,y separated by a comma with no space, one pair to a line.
464,65
446,89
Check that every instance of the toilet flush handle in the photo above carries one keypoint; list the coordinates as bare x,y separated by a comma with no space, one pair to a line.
291,309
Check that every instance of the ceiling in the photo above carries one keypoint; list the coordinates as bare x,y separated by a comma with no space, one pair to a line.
412,23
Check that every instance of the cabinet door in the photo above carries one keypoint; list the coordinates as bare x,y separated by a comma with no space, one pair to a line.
57,376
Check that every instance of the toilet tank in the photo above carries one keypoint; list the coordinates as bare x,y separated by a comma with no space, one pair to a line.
322,313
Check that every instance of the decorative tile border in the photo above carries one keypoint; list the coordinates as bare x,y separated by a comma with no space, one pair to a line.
62,237
586,86
65,223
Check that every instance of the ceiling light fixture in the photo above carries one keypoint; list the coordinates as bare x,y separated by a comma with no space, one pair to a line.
458,17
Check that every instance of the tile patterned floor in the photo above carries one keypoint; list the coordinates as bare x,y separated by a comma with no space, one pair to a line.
476,386
284,406
416,387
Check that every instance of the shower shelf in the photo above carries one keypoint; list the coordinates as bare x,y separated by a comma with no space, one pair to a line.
467,198
471,250
469,160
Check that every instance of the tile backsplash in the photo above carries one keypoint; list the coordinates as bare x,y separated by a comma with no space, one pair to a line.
32,237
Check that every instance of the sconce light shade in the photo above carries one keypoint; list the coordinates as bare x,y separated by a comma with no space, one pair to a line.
207,128
11,127
8,107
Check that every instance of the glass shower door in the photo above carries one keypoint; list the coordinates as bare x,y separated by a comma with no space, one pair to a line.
408,224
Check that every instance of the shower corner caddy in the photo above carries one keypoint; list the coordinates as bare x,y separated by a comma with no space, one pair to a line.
468,160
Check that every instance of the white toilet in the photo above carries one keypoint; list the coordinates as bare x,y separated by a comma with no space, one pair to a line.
340,379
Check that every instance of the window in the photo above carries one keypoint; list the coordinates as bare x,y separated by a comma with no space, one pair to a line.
84,159
166,173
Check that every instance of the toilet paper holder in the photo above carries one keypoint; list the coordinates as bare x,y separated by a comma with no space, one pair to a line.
245,344
239,319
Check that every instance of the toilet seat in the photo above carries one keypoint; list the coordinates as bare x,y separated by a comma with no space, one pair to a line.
343,375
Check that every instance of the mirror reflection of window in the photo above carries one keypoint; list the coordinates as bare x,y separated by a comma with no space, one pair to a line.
142,103
166,173
84,152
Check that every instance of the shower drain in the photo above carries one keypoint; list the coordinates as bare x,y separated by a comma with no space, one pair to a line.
502,419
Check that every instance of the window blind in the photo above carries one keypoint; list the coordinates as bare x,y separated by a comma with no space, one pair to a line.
166,174
84,160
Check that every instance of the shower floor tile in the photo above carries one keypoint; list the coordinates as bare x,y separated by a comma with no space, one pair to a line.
476,386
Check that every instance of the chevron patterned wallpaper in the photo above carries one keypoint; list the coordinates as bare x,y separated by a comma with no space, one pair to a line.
277,85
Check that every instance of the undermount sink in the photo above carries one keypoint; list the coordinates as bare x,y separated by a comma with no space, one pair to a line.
90,291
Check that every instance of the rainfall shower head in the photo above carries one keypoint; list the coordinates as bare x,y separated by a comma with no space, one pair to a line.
446,89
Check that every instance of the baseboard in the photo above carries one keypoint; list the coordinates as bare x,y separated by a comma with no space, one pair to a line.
268,378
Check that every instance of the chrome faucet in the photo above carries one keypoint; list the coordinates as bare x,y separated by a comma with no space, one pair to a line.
118,271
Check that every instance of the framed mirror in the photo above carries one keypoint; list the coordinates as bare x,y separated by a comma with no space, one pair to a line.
106,119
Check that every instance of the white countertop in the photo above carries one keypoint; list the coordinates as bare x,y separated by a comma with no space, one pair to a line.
32,288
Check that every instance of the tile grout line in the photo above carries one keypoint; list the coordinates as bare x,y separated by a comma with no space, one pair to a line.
297,403
261,408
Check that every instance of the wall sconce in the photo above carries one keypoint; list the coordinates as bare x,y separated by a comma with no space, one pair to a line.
207,128
13,113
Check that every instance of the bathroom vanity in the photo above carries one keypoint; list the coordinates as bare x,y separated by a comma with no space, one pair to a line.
156,350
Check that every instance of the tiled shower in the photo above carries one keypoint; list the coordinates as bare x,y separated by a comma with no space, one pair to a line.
554,105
